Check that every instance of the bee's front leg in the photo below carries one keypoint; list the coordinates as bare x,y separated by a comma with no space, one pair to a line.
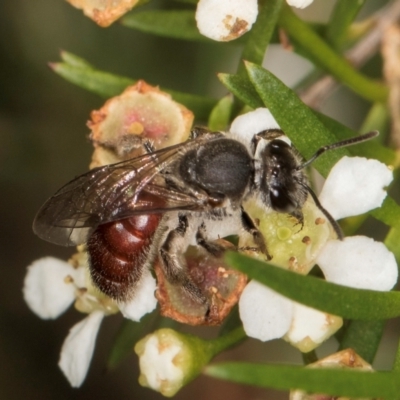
214,248
173,263
259,240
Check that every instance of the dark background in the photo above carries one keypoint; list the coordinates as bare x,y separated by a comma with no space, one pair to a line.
43,144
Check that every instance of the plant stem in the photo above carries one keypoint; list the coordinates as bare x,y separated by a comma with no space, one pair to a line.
328,59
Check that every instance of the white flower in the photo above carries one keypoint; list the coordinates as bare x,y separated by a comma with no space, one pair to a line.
265,306
359,262
355,186
226,20
166,361
78,346
363,188
52,285
144,300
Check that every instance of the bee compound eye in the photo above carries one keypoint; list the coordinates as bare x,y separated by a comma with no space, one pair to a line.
281,201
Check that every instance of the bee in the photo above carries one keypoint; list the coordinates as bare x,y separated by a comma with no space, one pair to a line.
152,207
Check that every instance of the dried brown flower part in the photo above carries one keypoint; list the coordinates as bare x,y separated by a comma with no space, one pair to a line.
104,12
221,285
344,359
141,113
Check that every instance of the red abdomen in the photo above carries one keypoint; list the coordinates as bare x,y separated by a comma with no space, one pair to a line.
118,251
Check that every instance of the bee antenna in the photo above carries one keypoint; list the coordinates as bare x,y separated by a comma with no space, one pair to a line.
338,145
336,227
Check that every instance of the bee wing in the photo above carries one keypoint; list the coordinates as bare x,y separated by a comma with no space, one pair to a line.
110,193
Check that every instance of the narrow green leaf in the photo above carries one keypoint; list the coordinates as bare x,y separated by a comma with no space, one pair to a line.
324,56
101,83
178,24
107,85
128,335
396,364
335,299
260,34
220,116
242,88
74,60
363,337
388,213
342,16
392,242
306,131
336,382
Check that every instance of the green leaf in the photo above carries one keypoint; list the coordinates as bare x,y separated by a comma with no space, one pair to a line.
107,85
321,54
128,335
388,213
242,88
342,16
392,241
220,115
335,299
178,24
74,60
260,35
396,364
101,83
363,337
335,382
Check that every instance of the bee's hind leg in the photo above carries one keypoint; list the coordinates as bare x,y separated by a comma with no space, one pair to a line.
173,263
214,248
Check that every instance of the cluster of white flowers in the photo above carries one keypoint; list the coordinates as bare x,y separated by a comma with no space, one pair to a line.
226,20
52,285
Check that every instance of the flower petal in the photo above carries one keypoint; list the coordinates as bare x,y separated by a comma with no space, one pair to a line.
354,186
163,360
78,346
311,327
358,262
265,314
48,287
247,125
299,3
143,301
225,20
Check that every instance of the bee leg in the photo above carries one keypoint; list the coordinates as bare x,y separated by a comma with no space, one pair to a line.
298,214
173,264
148,146
213,248
249,225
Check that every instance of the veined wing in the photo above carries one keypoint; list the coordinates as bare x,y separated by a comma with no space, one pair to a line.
113,192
